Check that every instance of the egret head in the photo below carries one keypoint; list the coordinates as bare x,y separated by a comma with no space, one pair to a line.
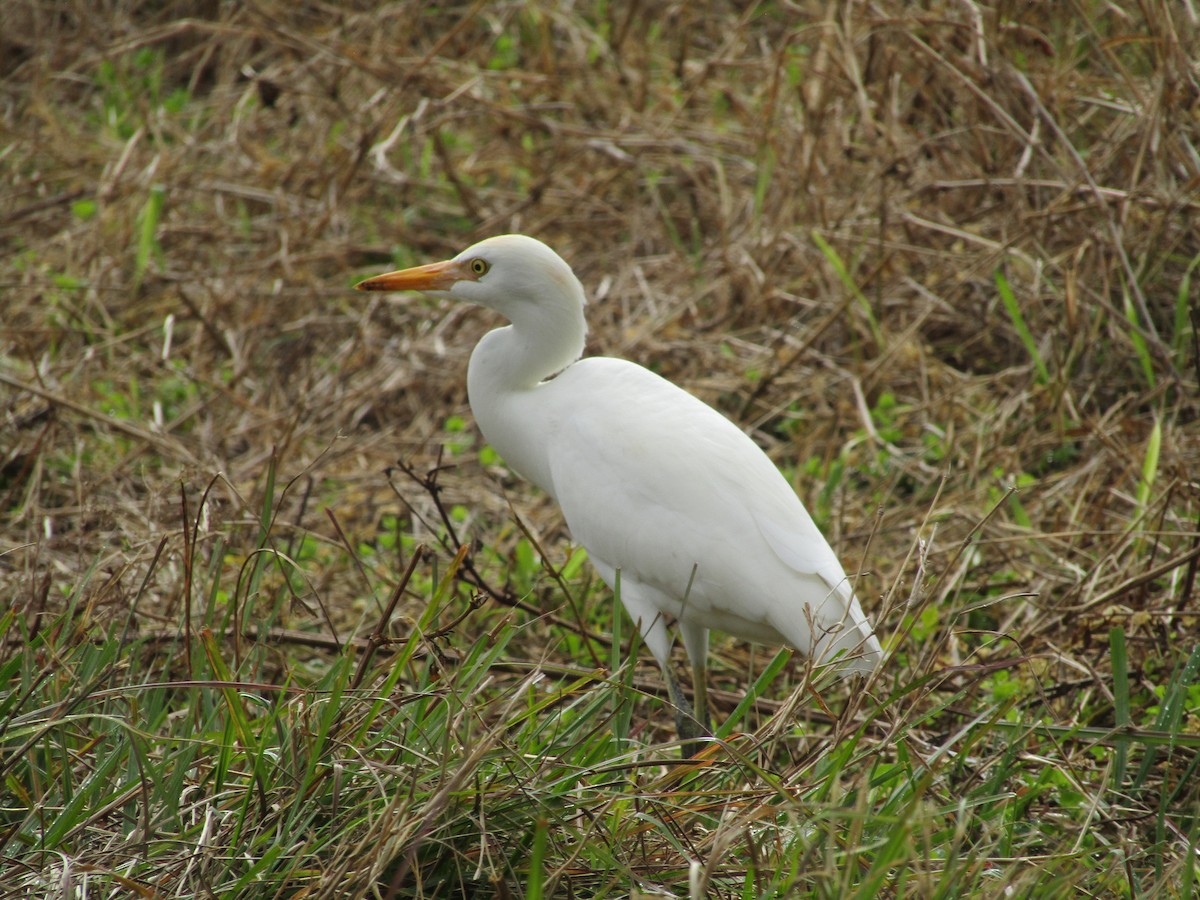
502,273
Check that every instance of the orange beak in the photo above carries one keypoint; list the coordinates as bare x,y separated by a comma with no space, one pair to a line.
439,276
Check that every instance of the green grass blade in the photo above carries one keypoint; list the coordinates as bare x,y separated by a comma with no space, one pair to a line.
147,244
1120,668
762,182
537,862
761,683
1009,299
839,266
1150,465
1184,300
1170,713
1139,344
233,701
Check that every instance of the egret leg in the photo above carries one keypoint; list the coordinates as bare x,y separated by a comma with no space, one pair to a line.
695,641
688,725
700,692
644,604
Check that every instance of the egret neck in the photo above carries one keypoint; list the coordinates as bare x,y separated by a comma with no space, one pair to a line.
507,378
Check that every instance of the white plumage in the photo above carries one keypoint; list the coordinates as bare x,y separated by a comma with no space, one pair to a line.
652,482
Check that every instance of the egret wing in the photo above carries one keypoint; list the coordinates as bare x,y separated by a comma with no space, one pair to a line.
654,482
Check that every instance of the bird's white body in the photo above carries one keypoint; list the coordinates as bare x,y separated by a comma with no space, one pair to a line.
655,485
708,534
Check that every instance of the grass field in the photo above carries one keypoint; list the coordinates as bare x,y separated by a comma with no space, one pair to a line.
277,623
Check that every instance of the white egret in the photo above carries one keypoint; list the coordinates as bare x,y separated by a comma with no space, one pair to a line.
663,492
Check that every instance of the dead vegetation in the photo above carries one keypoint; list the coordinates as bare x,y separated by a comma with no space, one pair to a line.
940,260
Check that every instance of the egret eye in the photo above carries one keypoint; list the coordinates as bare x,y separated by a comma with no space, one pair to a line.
479,267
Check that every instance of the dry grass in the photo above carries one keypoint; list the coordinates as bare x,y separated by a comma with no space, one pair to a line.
928,256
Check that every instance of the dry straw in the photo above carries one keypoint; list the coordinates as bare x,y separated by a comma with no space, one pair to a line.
939,258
